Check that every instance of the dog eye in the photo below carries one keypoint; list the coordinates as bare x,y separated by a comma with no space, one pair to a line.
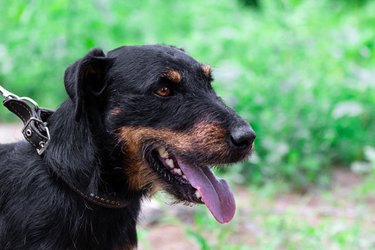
163,91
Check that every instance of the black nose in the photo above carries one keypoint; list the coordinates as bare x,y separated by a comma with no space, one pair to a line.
242,137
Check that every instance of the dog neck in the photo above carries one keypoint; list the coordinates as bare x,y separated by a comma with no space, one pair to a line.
83,153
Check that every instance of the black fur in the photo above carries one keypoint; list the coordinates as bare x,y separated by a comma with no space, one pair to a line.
38,210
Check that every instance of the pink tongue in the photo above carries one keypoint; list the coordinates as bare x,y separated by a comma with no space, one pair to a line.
215,192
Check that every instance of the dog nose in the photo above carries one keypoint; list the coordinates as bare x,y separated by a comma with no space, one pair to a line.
242,137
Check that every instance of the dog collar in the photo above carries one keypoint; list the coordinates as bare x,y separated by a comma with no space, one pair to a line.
98,199
36,132
35,128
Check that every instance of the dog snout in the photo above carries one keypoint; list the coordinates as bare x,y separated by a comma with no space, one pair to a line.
242,137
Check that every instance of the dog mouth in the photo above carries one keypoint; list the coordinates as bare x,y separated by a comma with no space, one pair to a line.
195,183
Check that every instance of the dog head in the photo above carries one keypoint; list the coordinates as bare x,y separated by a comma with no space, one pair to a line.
159,106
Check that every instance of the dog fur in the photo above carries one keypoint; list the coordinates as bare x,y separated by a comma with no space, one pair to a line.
120,107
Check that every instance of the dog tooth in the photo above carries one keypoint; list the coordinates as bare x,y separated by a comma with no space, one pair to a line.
169,163
184,176
163,153
177,171
198,194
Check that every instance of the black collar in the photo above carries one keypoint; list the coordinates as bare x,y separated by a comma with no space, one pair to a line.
37,134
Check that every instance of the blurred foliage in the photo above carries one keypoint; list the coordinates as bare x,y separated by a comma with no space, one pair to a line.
267,229
267,219
302,72
250,3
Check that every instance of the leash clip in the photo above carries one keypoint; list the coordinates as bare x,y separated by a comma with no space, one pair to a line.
35,128
6,94
9,95
27,99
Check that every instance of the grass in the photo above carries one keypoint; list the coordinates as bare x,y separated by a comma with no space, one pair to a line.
341,218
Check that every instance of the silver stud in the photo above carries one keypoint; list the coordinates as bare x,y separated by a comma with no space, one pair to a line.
28,132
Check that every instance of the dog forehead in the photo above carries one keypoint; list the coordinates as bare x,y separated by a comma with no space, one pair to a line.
153,57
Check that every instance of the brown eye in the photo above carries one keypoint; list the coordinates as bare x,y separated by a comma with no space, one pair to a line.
163,91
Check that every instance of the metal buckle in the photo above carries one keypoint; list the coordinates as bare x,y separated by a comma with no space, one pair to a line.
43,145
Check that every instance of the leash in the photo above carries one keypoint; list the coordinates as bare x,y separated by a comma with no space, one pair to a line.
36,132
34,119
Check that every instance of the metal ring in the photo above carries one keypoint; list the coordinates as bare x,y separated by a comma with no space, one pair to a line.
30,101
28,132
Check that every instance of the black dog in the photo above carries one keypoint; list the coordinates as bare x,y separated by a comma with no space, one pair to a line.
139,120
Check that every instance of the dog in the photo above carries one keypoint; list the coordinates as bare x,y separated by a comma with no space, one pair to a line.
137,120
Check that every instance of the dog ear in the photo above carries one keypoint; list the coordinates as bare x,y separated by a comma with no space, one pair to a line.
85,79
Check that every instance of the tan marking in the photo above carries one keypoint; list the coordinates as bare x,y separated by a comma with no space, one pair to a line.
173,75
142,176
207,70
204,137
